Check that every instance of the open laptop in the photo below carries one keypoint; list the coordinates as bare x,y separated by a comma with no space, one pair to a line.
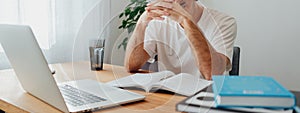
33,72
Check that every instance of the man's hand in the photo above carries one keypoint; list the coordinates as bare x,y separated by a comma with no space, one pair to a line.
169,8
152,13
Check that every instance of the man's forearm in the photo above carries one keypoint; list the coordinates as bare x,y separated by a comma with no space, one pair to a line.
136,56
208,60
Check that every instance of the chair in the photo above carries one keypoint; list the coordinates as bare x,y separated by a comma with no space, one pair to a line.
151,66
235,63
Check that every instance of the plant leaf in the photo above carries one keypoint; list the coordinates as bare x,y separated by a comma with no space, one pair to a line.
131,14
125,42
121,15
127,11
119,46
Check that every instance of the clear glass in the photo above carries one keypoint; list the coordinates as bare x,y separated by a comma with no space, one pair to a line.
96,48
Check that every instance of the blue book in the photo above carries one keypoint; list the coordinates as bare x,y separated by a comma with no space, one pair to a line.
251,91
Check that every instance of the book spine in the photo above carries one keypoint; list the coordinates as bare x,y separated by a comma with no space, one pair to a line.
214,88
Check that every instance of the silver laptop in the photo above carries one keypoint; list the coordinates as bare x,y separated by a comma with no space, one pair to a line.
36,78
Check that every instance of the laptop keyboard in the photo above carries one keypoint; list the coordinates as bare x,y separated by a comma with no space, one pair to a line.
76,97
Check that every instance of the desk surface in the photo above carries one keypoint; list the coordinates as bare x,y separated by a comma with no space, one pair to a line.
14,99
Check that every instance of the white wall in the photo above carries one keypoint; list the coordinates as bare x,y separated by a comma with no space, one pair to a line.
269,36
116,35
117,6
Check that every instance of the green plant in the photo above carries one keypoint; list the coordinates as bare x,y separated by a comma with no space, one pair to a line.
130,16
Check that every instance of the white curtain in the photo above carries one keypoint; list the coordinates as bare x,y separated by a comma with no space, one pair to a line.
59,25
36,13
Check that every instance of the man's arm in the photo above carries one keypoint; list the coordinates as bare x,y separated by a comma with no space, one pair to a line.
209,61
136,56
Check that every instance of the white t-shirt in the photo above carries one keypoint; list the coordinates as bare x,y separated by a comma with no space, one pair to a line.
167,39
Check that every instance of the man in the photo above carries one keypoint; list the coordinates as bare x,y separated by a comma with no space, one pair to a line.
186,36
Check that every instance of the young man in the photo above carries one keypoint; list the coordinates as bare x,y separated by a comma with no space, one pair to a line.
186,36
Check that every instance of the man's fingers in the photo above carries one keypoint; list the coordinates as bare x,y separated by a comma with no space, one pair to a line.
156,1
158,18
169,0
207,77
164,4
156,11
154,8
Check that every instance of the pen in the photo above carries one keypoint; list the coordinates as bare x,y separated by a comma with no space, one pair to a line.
206,98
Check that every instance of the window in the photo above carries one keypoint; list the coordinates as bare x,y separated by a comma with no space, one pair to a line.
62,27
36,13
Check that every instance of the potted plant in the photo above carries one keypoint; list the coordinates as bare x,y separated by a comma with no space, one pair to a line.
130,16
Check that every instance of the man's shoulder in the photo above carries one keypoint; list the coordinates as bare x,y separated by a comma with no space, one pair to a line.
216,12
219,16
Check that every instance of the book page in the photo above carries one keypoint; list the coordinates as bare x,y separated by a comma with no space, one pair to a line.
141,80
183,83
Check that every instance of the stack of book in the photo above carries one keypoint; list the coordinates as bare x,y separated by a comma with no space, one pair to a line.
241,94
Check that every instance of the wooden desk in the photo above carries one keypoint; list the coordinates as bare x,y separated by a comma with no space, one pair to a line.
15,100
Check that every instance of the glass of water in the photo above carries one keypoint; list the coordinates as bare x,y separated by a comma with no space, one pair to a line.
96,49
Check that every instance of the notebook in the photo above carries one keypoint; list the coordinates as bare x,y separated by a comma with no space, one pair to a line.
32,71
251,91
203,102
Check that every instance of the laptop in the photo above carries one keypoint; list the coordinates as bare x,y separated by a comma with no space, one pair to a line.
31,68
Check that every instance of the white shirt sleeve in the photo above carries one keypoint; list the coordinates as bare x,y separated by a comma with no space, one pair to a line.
220,29
223,41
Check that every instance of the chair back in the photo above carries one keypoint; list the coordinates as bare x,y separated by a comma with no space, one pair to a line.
235,62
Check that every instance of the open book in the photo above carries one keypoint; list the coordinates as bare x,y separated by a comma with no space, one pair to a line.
183,83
